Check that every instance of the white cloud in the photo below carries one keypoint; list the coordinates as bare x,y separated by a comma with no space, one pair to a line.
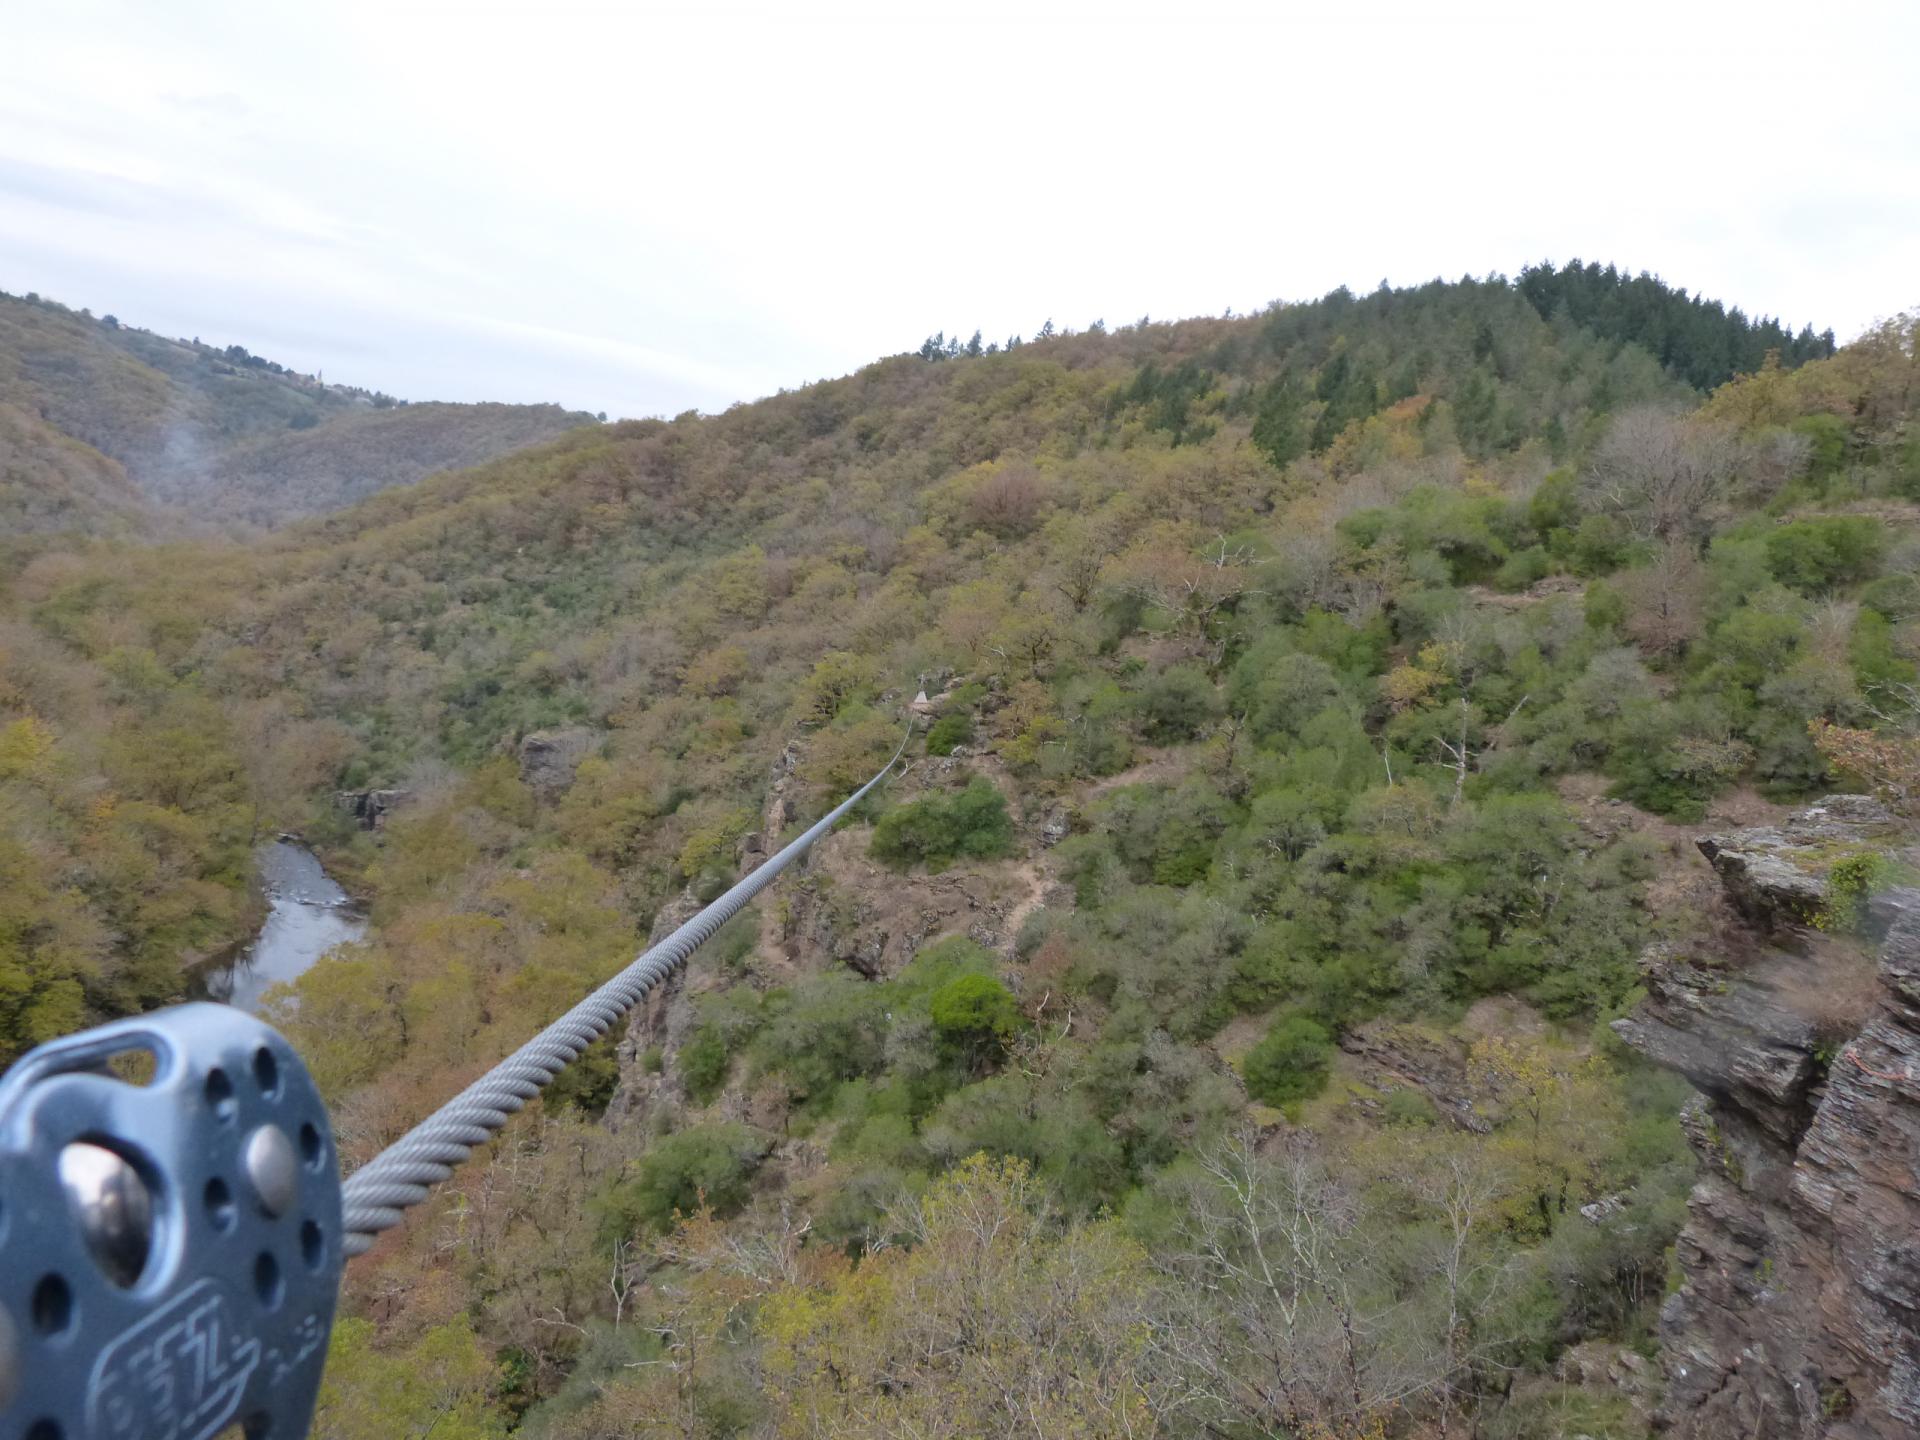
642,207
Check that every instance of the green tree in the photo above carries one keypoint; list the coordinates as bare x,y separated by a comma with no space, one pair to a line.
1280,429
707,1166
977,1015
437,1386
936,830
1290,1062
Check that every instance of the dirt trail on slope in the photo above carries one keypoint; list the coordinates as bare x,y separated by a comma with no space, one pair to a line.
1157,768
1034,882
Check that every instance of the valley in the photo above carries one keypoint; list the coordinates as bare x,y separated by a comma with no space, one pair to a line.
1394,923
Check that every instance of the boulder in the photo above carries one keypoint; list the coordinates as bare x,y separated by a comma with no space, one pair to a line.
548,759
1603,1209
371,807
1776,875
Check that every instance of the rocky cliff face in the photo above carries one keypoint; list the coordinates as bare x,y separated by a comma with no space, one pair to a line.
836,909
1776,874
1799,1315
846,909
661,1023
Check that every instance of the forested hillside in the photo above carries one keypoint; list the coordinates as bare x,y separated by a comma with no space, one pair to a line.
1205,1037
224,436
50,483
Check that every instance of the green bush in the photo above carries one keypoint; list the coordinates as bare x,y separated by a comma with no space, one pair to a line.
1827,439
1873,652
951,729
1853,880
1673,759
828,1030
1067,1145
1164,957
728,1020
1812,555
588,1083
1177,704
734,941
1523,569
1556,1409
1409,1108
1099,738
704,1063
1555,505
1280,690
1290,1063
1599,546
975,1014
1906,475
972,825
708,1164
1166,835
1606,607
1895,596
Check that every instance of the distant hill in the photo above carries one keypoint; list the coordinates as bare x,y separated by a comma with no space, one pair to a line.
223,434
50,482
1327,704
279,475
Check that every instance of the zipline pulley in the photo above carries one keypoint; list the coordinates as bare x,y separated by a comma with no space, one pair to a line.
170,1252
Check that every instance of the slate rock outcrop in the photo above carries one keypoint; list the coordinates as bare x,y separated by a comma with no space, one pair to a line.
370,808
548,759
1776,874
1799,1313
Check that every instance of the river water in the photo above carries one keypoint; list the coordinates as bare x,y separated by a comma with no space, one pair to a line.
309,915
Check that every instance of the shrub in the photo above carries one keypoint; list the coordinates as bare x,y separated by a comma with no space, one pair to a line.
1812,555
1290,1063
704,1063
838,678
734,941
951,729
588,1083
1165,957
1662,765
1896,596
1281,691
1906,477
1167,835
1606,607
1852,881
828,1030
708,1164
1522,569
971,825
1406,1108
1599,546
1177,704
1555,505
976,1014
1826,437
729,1019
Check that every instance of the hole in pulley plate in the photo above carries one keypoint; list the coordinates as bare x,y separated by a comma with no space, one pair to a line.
113,1206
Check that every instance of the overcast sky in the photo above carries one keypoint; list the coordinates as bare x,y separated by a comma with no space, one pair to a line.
640,208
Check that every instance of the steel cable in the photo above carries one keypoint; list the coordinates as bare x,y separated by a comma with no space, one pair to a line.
400,1176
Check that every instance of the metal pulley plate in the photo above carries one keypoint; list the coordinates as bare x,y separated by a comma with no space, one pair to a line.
170,1252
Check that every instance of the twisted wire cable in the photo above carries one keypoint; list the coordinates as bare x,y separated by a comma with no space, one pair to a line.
400,1176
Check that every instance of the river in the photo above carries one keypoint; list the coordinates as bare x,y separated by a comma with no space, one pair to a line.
309,914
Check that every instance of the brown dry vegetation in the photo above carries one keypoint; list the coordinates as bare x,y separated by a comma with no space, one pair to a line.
1208,587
